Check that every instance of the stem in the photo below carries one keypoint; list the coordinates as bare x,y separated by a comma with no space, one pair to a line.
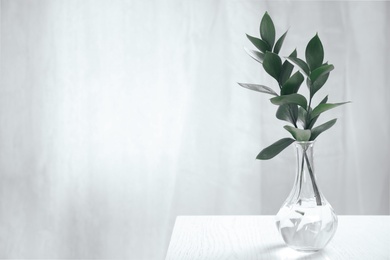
300,178
307,123
292,117
315,188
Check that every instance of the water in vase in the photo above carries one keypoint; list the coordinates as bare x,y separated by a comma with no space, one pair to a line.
307,228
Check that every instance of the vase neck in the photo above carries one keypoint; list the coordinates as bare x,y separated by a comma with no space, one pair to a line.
305,188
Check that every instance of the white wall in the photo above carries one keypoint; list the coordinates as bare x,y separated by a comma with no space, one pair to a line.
116,116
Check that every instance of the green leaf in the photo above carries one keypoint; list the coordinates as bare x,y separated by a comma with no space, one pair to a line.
256,55
298,134
287,69
272,64
288,112
314,53
274,149
267,30
314,119
259,44
295,98
292,84
324,107
316,131
259,88
324,100
279,43
301,64
320,71
317,85
302,116
293,54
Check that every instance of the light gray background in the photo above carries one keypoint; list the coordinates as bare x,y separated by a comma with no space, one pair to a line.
117,116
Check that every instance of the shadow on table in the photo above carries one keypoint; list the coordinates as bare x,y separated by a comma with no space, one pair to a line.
281,251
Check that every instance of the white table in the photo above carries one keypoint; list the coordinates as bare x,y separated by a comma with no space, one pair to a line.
256,237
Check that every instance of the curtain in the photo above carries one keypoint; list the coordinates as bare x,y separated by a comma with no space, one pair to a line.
117,116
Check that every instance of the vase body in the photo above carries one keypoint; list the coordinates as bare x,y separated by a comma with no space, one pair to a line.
306,220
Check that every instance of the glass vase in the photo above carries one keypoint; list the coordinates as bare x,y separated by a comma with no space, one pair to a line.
306,221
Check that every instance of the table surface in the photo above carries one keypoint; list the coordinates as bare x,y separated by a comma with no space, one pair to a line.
256,237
